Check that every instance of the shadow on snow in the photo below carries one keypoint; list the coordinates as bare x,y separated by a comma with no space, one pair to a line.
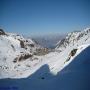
75,76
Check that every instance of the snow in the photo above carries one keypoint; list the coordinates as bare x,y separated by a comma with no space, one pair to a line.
74,76
10,48
47,72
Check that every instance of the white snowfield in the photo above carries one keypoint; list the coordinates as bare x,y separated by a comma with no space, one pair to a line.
10,48
14,50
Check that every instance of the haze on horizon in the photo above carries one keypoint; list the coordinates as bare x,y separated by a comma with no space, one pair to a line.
41,17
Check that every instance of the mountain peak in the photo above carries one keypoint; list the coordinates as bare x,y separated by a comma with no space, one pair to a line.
74,37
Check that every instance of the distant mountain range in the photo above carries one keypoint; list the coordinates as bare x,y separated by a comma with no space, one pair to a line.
49,41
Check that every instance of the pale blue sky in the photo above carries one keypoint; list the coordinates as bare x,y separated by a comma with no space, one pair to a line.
44,16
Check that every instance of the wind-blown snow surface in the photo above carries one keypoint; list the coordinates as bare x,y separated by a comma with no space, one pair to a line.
75,76
58,70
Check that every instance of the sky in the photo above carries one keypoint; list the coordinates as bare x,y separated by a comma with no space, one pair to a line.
40,17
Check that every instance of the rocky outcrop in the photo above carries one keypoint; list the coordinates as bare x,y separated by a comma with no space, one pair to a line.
22,57
2,32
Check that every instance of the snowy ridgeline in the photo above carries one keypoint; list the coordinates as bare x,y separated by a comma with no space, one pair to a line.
67,68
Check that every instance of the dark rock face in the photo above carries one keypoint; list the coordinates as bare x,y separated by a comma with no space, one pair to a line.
73,52
22,57
2,32
22,44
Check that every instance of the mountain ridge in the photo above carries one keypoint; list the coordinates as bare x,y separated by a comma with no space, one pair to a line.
17,58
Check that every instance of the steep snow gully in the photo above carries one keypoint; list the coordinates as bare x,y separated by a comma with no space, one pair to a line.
75,76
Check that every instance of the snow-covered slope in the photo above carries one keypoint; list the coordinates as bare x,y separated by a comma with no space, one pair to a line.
57,60
76,38
74,76
16,60
16,53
